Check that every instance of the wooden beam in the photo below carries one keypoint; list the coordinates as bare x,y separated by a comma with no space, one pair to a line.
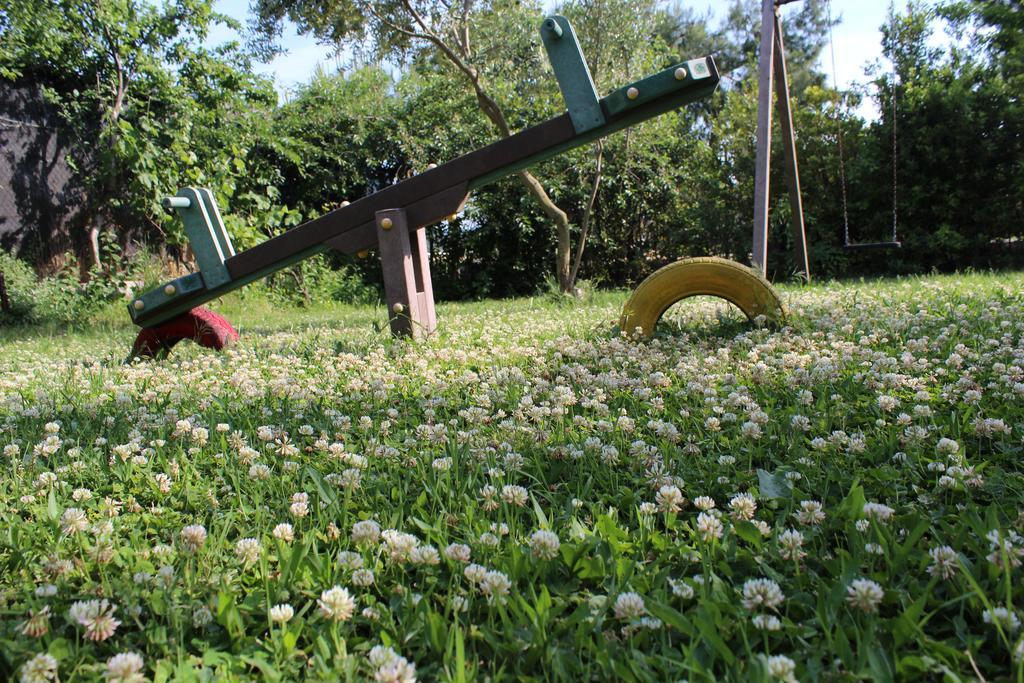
789,147
403,274
764,136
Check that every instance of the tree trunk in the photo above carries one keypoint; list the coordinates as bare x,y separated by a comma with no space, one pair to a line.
588,213
94,244
563,254
492,110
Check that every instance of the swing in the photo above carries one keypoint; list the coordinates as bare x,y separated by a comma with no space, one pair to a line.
894,243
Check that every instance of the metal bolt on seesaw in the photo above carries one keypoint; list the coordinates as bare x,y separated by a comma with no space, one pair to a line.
394,220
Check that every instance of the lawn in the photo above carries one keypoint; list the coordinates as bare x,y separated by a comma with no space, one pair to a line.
526,496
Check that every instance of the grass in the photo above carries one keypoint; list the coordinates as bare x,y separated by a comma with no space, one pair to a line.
526,496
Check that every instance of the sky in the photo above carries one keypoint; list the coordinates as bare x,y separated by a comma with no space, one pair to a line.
857,43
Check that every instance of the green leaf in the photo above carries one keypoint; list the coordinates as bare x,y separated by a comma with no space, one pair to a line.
749,533
773,485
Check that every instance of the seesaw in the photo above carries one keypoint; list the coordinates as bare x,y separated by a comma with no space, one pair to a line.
394,220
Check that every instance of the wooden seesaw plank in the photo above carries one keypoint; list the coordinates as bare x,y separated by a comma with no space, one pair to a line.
429,196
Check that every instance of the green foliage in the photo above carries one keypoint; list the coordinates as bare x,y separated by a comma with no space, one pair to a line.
60,299
150,107
837,500
321,279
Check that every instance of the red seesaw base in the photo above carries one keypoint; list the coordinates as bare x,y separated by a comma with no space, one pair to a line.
201,325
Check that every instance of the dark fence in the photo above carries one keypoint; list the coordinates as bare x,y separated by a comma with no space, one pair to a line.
40,198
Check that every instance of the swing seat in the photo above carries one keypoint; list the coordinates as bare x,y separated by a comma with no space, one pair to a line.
868,246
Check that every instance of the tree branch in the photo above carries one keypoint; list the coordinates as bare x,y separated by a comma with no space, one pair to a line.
588,211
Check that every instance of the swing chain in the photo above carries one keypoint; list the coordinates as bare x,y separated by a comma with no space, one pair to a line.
842,153
839,129
895,238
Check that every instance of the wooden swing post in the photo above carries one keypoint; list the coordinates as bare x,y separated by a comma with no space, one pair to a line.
773,79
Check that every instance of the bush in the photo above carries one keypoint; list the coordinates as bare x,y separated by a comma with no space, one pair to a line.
319,279
60,299
22,289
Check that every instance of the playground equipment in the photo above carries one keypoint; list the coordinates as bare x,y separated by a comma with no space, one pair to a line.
394,220
772,75
894,243
708,276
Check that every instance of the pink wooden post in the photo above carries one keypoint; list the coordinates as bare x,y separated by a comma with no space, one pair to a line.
424,286
789,147
406,265
766,74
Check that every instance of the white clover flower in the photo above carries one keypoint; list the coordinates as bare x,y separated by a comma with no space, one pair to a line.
336,604
743,506
193,537
96,616
202,616
425,554
282,613
704,503
762,593
474,573
669,498
751,430
681,589
400,545
629,606
782,668
380,655
248,550
458,552
766,622
366,532
125,668
73,521
165,575
362,578
709,527
163,482
391,667
514,495
259,471
284,532
37,624
791,543
865,595
495,585
42,668
887,404
878,512
350,560
944,562
1007,619
300,504
544,544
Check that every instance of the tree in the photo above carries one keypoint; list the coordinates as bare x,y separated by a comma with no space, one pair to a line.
490,46
137,91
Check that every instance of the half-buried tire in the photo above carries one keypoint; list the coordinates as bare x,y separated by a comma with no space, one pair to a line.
705,276
201,325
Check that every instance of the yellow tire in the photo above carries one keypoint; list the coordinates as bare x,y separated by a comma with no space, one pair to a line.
707,276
